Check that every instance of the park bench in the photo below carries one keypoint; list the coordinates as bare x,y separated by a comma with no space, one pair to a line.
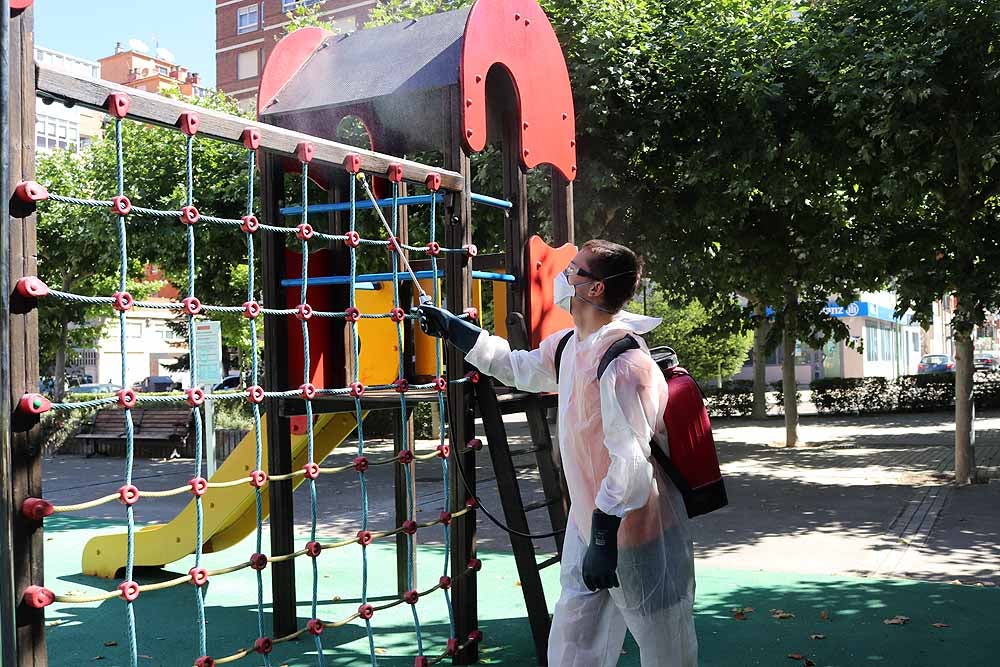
156,431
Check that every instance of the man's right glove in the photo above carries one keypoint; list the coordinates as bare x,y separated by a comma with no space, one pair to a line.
438,322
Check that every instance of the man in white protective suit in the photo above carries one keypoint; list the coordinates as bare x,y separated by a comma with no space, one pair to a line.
627,559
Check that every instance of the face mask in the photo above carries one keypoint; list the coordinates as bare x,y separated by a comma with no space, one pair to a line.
564,293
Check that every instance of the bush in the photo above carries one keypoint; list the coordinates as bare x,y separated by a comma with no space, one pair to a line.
734,399
923,393
853,395
779,396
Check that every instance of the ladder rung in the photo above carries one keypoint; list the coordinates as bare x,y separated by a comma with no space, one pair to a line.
548,561
539,505
529,450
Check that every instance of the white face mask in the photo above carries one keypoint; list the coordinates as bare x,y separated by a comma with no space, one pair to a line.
563,292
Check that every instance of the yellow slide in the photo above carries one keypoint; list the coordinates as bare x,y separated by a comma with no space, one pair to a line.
230,513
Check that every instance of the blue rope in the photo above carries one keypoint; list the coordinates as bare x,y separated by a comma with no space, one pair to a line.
310,434
254,371
129,426
199,591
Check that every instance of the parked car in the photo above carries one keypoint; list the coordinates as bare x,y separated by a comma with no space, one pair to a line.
987,362
95,388
155,383
936,363
230,382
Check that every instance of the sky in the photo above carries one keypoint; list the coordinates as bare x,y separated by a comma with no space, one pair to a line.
89,29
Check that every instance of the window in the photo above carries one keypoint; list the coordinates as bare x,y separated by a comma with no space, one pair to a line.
289,5
246,65
887,344
56,133
246,19
871,343
162,70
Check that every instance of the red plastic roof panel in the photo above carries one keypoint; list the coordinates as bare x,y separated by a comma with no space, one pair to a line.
517,35
287,58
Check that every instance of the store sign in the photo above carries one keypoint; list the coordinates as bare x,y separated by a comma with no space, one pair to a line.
853,309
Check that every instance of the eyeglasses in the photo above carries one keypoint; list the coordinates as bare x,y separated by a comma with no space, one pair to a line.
573,270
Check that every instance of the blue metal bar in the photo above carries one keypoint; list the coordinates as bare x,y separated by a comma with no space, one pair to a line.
412,200
384,277
490,201
364,204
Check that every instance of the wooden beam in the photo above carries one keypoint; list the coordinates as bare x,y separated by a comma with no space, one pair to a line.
279,438
22,361
157,110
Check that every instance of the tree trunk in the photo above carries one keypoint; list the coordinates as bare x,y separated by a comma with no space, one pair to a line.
760,362
965,457
59,373
788,368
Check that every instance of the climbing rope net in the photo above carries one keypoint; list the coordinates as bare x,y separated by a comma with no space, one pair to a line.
190,306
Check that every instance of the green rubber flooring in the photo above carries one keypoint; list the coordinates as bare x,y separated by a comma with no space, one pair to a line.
845,615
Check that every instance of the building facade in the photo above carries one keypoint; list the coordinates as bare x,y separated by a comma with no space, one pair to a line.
246,32
58,127
153,74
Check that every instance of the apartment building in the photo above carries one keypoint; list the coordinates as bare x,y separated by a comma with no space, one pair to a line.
56,125
152,73
247,30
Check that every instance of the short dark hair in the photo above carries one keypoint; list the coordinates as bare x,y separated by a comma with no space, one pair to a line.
623,268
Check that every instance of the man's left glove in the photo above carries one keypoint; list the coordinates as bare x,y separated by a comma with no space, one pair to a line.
601,559
438,322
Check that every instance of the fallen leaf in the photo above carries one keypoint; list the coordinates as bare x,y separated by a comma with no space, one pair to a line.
98,657
111,643
824,615
897,620
517,584
940,625
817,636
808,663
381,651
743,610
781,614
796,656
739,616
336,598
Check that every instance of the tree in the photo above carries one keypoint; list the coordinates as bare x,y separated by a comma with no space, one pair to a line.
689,329
78,249
915,89
700,140
77,253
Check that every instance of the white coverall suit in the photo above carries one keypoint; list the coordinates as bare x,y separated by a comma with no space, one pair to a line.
604,436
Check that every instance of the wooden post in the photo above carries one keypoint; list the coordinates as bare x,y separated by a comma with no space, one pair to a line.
279,437
458,232
515,189
403,424
562,209
21,364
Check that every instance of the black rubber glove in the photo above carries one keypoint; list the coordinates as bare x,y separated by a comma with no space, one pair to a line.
601,559
459,331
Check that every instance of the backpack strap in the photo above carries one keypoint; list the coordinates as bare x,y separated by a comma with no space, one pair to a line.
618,348
559,351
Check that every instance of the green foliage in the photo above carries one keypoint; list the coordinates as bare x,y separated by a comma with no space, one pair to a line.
733,399
78,249
307,15
915,92
701,347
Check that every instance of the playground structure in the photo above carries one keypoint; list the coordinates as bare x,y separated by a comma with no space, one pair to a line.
462,85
